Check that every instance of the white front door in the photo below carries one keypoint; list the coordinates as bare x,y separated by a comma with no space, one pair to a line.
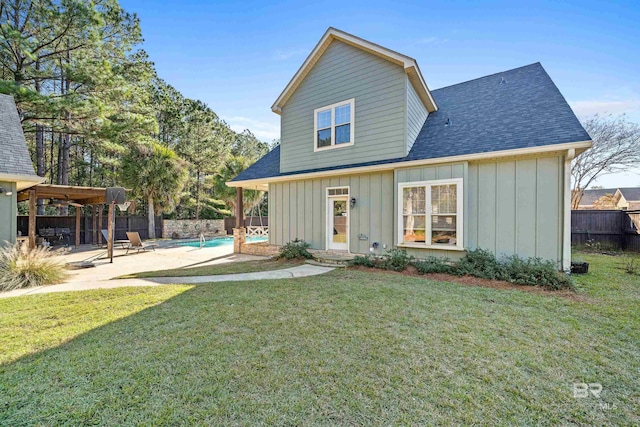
338,223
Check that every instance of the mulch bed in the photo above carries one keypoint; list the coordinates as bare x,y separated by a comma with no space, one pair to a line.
476,281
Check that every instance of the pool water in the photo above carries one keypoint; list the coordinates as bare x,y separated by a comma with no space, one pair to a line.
220,241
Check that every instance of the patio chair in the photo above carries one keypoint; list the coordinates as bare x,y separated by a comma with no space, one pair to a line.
136,242
124,242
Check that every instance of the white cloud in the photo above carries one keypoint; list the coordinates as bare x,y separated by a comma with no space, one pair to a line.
263,130
431,40
588,108
282,55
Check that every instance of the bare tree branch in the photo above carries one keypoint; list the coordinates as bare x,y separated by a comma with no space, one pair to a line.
616,147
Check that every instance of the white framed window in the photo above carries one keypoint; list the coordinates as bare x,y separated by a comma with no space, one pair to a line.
430,214
333,125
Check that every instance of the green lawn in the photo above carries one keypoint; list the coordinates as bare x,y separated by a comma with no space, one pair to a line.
348,347
224,268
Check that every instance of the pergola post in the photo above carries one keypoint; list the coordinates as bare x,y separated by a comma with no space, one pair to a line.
100,225
239,233
32,219
78,212
110,231
93,224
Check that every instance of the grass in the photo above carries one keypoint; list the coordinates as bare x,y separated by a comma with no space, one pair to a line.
224,268
348,347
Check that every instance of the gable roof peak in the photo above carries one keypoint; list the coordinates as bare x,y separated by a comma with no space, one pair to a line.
332,34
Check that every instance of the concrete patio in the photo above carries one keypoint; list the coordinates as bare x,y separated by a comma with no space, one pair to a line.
168,255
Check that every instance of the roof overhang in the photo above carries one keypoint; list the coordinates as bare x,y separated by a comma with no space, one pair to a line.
71,193
556,149
22,181
409,64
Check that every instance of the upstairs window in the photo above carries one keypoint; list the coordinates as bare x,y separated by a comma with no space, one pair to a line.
333,125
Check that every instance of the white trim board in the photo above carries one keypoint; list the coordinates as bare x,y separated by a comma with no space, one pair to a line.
560,149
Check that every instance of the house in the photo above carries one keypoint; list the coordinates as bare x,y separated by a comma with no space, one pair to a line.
371,159
625,198
16,169
628,198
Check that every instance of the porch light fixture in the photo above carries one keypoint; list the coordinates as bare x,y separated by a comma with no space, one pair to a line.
352,202
5,192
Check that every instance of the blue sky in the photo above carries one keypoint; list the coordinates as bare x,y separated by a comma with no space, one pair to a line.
238,56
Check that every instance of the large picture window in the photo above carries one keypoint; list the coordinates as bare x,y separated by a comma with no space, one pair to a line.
333,125
430,214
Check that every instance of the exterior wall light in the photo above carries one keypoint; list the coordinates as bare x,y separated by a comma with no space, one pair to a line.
352,202
5,192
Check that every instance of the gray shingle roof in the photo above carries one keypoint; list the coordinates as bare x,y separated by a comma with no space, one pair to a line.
519,108
15,156
590,196
631,194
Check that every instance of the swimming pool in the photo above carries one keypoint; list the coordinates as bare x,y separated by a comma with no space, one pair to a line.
220,241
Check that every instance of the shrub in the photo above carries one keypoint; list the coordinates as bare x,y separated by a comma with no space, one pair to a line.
631,265
433,265
480,263
295,249
367,260
535,271
21,267
395,259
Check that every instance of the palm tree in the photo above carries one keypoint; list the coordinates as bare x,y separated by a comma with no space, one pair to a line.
155,173
231,168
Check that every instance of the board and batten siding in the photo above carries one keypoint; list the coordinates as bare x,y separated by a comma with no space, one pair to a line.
510,207
344,72
298,209
516,207
8,213
416,115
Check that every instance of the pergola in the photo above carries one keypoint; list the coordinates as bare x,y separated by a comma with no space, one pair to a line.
80,196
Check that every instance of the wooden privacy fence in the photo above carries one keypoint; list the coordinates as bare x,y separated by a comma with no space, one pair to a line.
122,225
609,229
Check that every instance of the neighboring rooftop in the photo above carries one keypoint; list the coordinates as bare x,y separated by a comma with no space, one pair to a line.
519,108
15,156
591,196
631,194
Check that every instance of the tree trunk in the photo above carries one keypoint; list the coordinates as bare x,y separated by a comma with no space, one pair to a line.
152,219
40,169
197,195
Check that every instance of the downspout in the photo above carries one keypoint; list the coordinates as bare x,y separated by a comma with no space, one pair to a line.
566,229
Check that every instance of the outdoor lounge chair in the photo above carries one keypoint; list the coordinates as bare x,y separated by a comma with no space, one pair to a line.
124,242
136,242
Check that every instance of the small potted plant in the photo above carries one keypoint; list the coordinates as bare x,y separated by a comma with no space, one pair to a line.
579,266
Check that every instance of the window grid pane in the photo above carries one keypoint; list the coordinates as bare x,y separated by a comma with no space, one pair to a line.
343,134
324,138
414,200
343,114
443,199
324,119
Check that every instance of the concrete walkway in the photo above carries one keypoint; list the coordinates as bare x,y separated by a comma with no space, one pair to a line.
287,273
